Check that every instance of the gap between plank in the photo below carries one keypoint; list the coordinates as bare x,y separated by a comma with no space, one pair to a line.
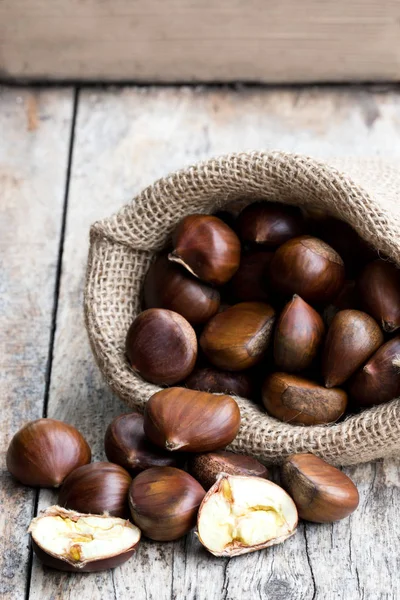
55,306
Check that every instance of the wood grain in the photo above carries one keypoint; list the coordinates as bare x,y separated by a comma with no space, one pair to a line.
181,40
35,127
124,140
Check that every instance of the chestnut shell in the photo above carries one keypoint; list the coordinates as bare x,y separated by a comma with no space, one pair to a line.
269,224
206,467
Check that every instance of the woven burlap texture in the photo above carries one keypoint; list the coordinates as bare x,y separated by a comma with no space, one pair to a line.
123,246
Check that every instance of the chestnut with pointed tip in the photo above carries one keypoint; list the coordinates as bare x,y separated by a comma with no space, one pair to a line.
126,445
169,286
307,266
379,380
298,335
44,452
379,286
207,248
67,540
298,400
250,282
352,338
161,346
208,379
97,488
237,338
164,502
206,467
182,419
321,492
269,224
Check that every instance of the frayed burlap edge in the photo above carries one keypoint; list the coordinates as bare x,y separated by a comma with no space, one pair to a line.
123,246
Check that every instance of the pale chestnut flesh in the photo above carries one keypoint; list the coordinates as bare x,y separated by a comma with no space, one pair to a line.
244,514
71,541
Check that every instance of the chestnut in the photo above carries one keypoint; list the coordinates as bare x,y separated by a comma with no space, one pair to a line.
126,445
352,338
379,380
269,224
206,467
321,492
208,379
307,266
182,419
298,336
249,283
161,346
168,286
164,502
237,338
82,543
227,217
244,514
44,452
97,488
298,400
379,286
206,247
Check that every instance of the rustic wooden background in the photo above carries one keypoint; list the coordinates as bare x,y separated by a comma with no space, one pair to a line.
69,157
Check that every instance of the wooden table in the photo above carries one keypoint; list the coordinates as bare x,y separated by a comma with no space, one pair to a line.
69,157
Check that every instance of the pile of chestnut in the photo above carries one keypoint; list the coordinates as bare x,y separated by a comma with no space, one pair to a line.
291,309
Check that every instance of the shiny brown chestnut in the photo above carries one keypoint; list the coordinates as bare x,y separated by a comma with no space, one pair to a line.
169,286
307,266
164,502
250,282
379,286
161,346
97,488
44,452
379,380
182,419
126,445
269,224
352,338
207,248
208,379
82,543
321,492
206,467
298,400
298,335
237,338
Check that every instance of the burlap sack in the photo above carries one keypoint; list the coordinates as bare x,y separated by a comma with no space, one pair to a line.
123,246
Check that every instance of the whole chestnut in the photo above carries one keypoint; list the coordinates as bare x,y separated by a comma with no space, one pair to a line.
322,493
206,467
126,445
161,346
379,380
307,266
250,282
206,247
169,286
98,488
82,543
379,286
298,335
237,338
269,224
298,400
182,419
44,452
208,379
164,502
352,338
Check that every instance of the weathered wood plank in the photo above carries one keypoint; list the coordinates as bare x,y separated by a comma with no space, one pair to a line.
34,140
124,140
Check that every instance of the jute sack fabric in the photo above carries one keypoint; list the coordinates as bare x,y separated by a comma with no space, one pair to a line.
123,246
